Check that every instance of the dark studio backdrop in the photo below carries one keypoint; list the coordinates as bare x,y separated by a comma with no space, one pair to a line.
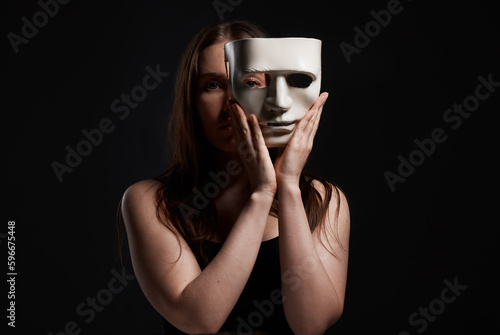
418,169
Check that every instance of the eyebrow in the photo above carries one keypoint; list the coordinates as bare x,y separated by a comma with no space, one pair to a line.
212,74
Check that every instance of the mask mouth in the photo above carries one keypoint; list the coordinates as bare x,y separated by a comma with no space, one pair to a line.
278,124
278,111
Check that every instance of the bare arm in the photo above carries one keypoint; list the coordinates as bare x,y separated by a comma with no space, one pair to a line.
313,280
192,300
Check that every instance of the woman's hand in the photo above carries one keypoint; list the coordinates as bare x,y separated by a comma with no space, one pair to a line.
290,162
252,149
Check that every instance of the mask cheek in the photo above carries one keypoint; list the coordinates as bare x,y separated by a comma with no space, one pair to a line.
303,99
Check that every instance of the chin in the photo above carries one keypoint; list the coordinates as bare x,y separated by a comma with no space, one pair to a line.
227,146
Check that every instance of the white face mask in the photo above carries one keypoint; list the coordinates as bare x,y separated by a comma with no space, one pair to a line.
277,79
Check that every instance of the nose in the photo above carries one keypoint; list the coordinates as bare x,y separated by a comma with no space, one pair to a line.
278,98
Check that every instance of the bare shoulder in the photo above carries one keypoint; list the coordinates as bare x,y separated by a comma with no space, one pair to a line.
337,195
139,190
156,250
337,221
139,199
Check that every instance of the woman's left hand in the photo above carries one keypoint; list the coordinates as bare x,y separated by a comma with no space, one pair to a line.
290,162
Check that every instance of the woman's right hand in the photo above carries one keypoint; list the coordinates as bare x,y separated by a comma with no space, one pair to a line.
252,149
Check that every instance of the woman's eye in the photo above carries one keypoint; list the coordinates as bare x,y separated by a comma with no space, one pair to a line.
251,83
256,80
213,85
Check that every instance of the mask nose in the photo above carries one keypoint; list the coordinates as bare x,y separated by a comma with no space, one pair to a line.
278,99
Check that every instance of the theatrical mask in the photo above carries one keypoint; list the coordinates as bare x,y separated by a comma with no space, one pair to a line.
277,79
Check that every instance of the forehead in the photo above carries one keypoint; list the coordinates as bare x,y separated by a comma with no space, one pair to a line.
274,54
211,59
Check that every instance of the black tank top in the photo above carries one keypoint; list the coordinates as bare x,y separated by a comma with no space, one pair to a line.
259,307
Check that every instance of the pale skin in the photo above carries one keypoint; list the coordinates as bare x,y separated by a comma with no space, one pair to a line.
197,301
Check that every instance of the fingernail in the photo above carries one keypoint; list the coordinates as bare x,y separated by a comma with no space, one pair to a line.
325,96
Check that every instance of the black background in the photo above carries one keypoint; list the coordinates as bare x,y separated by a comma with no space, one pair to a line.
439,224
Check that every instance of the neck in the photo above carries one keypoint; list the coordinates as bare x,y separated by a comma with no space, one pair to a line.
234,191
229,166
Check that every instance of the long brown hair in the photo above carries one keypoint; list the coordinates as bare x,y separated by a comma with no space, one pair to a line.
192,156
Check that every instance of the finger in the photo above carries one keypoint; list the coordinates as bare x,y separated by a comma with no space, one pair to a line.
243,121
308,124
317,108
314,125
316,111
324,97
242,133
232,119
307,127
259,143
239,122
301,130
311,114
317,117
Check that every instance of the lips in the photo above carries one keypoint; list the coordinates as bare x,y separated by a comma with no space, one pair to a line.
226,124
225,127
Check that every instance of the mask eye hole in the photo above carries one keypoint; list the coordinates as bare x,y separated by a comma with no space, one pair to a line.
299,80
256,80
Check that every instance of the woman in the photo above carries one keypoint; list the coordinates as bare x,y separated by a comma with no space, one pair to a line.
208,247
